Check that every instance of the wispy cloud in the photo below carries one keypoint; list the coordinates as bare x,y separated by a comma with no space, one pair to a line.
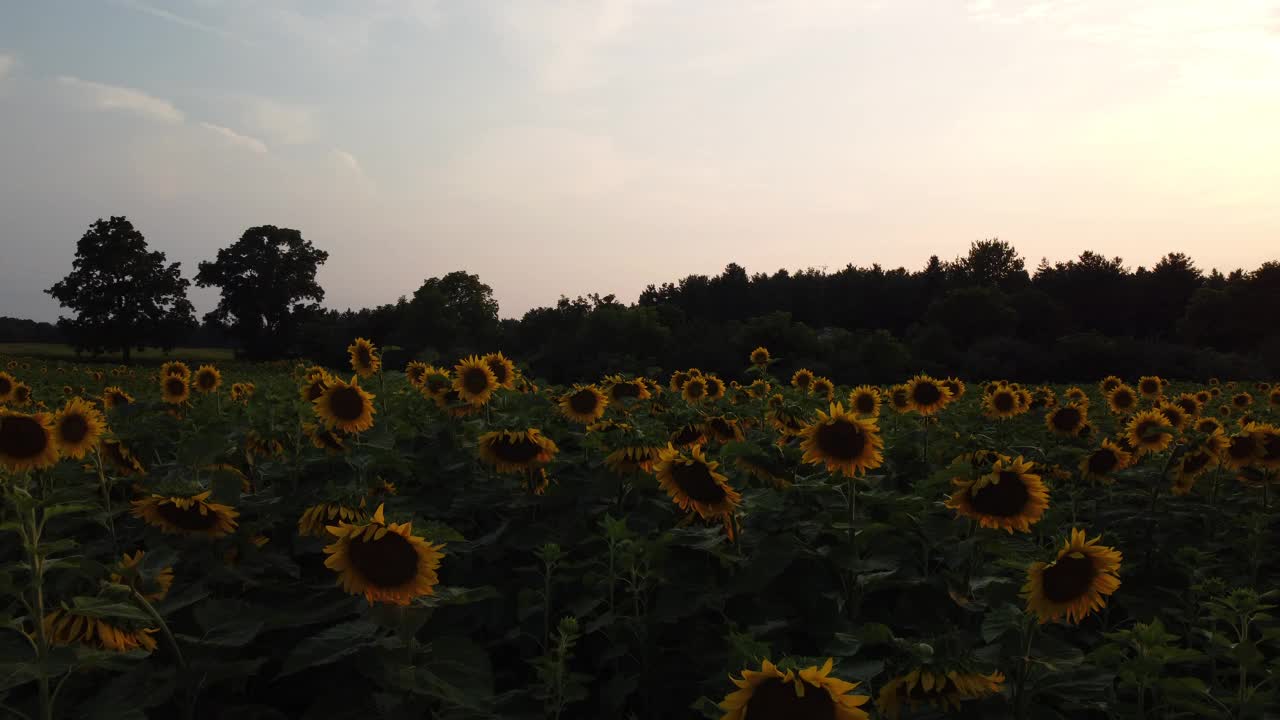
114,97
183,20
283,122
7,61
351,165
234,138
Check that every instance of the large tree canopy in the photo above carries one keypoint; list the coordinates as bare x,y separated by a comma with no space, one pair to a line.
123,294
268,283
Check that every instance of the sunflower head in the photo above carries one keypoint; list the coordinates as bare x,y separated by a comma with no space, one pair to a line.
1109,383
842,441
1010,497
583,404
121,458
316,519
1268,439
1067,419
313,386
822,388
801,379
207,379
900,398
759,388
1241,450
364,357
242,391
345,406
71,627
78,427
694,390
798,694
332,441
694,484
1001,404
1177,418
865,400
715,388
620,388
1075,583
21,395
113,397
1148,432
175,368
1107,459
504,371
723,429
415,372
929,687
7,383
1241,400
1077,396
191,516
513,451
632,459
27,442
153,585
385,562
760,356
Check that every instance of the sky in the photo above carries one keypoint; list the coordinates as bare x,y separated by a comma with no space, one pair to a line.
564,147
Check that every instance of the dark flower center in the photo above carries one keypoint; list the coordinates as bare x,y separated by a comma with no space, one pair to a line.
1195,462
22,437
1003,499
73,428
1069,578
625,390
1208,425
1123,399
499,370
865,403
583,402
1003,401
1187,405
1144,432
206,380
1110,384
1271,447
119,398
388,562
1150,387
315,390
437,383
189,519
840,440
1172,414
694,479
776,700
900,398
1242,447
475,380
1241,400
695,388
175,386
416,372
803,380
1103,461
364,358
1066,419
6,386
517,452
346,404
22,393
926,393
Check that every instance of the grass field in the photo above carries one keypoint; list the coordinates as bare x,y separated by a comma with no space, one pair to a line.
54,351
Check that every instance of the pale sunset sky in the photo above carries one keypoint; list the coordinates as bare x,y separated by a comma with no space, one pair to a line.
575,146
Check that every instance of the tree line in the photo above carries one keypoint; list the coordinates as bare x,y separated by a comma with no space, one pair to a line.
983,314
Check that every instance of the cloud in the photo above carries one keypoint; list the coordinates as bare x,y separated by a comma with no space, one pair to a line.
177,19
7,62
236,139
565,38
283,122
114,97
348,163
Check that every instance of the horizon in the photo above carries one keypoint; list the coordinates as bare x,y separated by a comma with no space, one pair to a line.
623,143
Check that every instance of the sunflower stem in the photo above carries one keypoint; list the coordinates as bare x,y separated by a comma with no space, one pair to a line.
189,709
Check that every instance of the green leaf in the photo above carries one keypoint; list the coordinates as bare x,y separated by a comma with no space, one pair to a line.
1001,620
330,646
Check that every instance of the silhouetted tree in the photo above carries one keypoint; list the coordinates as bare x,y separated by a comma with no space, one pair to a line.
450,313
123,294
267,278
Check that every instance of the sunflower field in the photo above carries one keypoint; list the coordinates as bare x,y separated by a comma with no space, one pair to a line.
293,541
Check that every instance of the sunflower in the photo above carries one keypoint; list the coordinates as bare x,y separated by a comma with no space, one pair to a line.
1075,583
383,561
1208,425
77,428
769,466
121,458
786,423
21,394
1147,432
504,371
1150,386
27,441
191,516
1077,396
1274,397
364,358
1203,397
584,404
693,483
1195,461
113,397
7,382
175,368
1178,419
715,388
632,459
1241,400
1108,458
807,694
1268,438
843,441
1189,404
436,382
620,388
1008,498
207,379
1044,397
934,688
129,572
452,403
760,356
415,372
1001,404
678,379
823,388
865,400
759,388
314,386
801,379
723,429
899,398
1241,451
1109,383
694,390
334,441
67,627
512,451
345,407
1067,419
317,518
174,390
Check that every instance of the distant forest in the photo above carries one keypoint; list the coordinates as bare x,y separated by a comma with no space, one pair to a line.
981,315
